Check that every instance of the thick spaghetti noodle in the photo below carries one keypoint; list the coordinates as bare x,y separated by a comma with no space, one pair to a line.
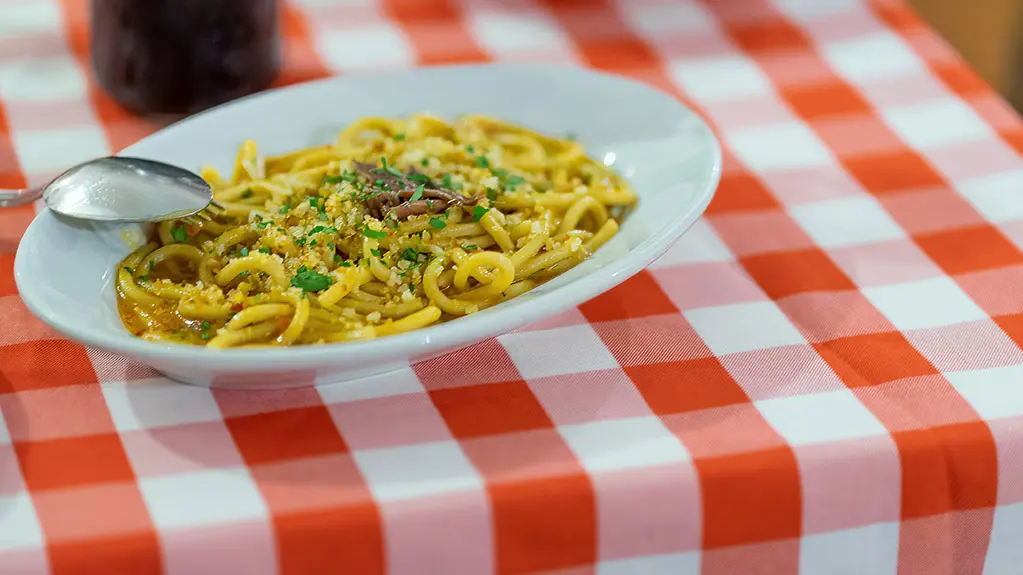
398,224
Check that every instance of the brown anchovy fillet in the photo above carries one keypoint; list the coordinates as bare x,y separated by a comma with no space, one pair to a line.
396,197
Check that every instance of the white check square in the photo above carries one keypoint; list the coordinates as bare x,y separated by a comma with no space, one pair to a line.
820,417
924,304
412,471
872,549
401,382
994,393
996,196
46,151
56,78
372,46
5,434
657,19
720,78
667,564
741,327
517,33
937,123
211,497
808,11
847,221
158,402
20,526
787,146
873,57
700,244
29,17
558,351
1004,553
623,444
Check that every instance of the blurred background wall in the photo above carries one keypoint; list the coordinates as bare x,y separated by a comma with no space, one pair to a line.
988,34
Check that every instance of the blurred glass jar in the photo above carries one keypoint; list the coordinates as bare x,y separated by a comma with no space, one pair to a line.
179,57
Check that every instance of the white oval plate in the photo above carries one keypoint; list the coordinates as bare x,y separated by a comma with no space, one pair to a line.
65,268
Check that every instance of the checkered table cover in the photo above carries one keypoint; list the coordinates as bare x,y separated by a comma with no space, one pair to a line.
824,375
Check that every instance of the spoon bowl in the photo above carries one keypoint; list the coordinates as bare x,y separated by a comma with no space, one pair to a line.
121,189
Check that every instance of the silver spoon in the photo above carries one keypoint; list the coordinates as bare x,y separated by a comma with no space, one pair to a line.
121,189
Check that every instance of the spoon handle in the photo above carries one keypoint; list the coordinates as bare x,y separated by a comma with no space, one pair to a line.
12,198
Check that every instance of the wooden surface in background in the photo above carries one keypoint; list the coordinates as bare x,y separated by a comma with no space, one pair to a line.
985,32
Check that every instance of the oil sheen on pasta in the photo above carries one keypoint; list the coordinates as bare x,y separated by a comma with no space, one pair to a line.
398,224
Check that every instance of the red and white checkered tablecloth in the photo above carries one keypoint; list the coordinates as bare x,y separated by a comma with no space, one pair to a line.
824,376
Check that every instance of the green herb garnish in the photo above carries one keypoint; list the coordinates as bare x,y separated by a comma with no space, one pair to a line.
375,252
374,234
285,208
424,162
469,247
264,250
478,212
205,325
418,193
345,264
438,223
410,254
309,280
491,194
419,178
300,241
179,234
482,162
399,137
247,194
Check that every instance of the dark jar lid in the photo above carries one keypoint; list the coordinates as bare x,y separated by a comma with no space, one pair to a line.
178,57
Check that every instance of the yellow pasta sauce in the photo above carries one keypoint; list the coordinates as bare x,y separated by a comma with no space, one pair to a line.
398,224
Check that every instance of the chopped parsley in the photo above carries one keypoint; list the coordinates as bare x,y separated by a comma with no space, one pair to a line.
424,162
343,264
449,184
264,250
469,247
312,243
262,225
205,325
314,202
438,223
206,335
285,208
309,280
482,162
300,241
374,234
491,194
316,230
247,194
400,137
513,180
337,259
470,149
179,234
418,193
478,212
375,252
410,254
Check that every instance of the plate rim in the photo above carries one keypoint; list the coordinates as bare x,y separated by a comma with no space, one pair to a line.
452,335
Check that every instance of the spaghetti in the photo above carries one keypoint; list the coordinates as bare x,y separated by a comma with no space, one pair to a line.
398,224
